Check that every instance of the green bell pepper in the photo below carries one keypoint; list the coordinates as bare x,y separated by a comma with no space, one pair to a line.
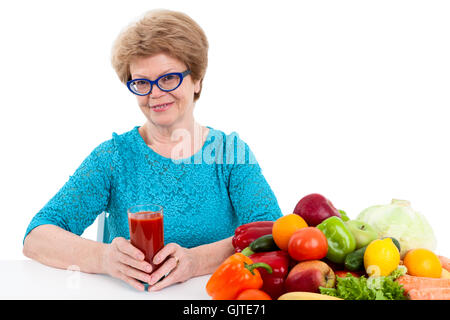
340,239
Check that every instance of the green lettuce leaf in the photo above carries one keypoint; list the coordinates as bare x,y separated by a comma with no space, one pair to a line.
373,288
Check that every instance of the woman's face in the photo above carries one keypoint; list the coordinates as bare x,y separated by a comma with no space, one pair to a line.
179,102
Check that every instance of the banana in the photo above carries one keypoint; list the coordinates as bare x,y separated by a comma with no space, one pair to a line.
445,274
299,295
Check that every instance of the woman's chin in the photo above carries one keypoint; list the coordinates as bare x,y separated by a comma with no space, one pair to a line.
162,120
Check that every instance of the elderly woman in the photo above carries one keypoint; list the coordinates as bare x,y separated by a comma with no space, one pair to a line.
208,182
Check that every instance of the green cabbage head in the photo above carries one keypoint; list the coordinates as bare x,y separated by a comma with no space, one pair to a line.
400,221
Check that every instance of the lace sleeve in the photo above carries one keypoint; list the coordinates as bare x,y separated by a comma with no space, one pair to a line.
250,194
84,196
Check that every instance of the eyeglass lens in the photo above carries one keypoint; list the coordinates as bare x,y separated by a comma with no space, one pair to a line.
166,83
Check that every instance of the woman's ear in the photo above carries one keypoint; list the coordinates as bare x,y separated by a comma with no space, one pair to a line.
197,85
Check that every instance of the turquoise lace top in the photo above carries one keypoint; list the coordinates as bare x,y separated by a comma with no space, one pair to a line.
205,197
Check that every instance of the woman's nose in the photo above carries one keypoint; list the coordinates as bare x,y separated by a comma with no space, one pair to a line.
156,92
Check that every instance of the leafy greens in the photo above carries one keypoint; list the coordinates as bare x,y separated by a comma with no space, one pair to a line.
372,288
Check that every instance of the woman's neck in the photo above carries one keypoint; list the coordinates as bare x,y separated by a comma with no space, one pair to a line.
174,142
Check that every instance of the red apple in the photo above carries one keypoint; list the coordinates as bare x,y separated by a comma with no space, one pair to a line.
314,208
309,276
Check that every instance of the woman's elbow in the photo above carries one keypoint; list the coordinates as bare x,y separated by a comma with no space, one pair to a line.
27,249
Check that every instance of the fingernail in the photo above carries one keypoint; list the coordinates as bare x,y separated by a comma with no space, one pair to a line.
148,268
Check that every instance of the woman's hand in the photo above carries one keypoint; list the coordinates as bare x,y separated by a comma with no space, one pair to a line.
178,263
124,261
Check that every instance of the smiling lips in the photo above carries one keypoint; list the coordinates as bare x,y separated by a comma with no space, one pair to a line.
161,107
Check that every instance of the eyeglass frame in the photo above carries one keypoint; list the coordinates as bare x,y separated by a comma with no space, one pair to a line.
180,74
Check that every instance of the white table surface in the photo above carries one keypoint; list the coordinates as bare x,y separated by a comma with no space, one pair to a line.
28,279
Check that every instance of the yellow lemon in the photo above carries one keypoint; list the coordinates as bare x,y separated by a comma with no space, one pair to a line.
381,257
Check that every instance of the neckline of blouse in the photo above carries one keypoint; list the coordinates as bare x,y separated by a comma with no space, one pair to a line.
150,150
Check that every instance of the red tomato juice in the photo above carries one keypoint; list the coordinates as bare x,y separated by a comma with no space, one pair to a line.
147,233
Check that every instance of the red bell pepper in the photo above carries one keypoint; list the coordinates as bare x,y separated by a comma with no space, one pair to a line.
249,232
273,283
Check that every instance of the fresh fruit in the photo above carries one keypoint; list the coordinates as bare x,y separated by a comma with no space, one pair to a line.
315,208
363,232
309,276
308,244
284,227
422,263
397,244
381,257
307,280
306,296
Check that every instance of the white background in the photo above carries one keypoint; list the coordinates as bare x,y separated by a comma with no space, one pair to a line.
349,99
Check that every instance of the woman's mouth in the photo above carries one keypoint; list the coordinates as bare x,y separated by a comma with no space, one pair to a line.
161,107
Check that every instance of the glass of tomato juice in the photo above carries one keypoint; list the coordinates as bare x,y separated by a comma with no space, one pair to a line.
146,229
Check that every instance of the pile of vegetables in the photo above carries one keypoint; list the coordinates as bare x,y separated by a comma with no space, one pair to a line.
386,253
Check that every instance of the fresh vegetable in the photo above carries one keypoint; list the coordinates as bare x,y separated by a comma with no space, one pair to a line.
273,283
308,244
234,275
445,262
253,294
354,261
340,240
429,294
284,227
373,288
249,232
381,257
298,295
422,263
411,282
263,244
400,221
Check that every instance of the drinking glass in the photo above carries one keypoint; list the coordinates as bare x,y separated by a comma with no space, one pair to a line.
146,229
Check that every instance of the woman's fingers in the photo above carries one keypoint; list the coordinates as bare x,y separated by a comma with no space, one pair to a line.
126,247
134,273
138,264
169,249
132,282
163,270
169,269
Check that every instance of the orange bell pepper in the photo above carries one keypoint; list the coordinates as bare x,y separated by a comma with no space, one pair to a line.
235,274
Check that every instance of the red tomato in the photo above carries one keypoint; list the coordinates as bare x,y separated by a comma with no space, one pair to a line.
308,244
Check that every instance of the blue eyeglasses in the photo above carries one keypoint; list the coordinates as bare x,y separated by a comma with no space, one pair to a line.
167,82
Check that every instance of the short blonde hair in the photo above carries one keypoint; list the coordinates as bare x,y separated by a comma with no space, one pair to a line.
162,31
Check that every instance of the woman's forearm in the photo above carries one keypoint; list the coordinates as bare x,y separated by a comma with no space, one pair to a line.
56,247
212,255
